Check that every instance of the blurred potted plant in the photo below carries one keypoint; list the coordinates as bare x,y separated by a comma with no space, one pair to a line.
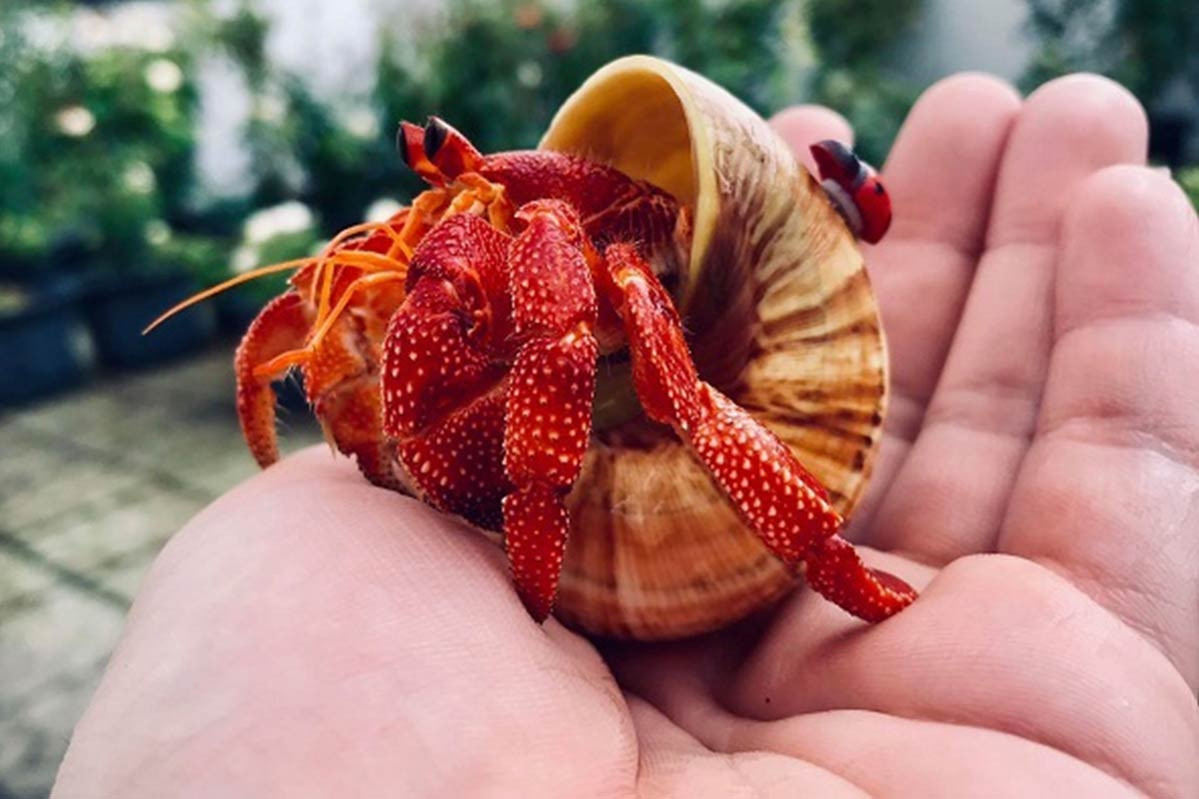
144,109
103,140
44,345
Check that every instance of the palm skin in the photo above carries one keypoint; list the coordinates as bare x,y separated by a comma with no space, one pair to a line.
309,635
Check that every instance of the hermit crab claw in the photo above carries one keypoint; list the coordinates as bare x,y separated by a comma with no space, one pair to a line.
854,189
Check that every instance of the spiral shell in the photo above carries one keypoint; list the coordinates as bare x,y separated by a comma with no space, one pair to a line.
781,317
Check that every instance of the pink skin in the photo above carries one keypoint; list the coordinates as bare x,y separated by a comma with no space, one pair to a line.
309,635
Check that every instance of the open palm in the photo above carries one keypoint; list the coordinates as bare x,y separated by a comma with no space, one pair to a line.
311,635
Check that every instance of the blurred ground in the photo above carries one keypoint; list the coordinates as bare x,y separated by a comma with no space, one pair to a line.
91,486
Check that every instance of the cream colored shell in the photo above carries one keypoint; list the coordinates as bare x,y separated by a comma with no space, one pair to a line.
782,319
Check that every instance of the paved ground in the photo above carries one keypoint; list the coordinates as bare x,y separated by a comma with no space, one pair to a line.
91,486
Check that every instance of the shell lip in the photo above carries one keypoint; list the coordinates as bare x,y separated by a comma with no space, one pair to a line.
707,205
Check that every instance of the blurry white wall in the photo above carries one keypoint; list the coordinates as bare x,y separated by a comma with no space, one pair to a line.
950,36
332,44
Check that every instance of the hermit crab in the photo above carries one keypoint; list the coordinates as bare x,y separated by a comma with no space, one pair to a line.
645,357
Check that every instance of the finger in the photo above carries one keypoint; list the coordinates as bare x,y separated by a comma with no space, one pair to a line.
879,754
996,643
941,175
673,763
950,496
1107,495
338,639
708,665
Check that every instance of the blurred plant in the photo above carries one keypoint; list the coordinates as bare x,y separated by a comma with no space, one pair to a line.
499,70
1189,180
849,39
333,159
95,147
203,257
1142,45
272,235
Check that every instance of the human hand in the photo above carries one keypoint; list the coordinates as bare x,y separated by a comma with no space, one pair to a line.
310,635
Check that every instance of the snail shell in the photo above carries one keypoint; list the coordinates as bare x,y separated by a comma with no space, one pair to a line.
781,318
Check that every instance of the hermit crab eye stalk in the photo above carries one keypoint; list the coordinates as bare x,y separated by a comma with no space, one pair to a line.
436,132
854,189
450,151
410,141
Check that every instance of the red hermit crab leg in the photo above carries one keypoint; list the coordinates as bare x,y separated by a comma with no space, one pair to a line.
441,374
772,492
551,389
341,381
279,327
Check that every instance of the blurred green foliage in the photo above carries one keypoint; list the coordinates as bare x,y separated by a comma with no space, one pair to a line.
113,189
1189,180
1143,45
500,69
851,38
97,147
96,151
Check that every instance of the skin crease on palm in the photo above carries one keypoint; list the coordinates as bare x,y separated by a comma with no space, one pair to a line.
310,635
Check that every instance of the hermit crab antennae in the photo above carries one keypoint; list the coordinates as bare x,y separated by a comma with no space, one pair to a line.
365,260
224,286
854,189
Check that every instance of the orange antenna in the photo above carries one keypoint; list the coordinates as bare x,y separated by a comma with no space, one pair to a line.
367,261
297,357
324,277
225,286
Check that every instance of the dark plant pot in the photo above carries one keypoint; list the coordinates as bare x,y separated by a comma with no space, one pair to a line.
236,310
120,307
44,346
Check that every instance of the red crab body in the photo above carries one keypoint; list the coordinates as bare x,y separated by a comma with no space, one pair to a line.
452,350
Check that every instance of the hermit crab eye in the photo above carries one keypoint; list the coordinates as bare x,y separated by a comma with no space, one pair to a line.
436,133
410,142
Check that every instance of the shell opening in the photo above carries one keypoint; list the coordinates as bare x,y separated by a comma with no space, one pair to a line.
636,116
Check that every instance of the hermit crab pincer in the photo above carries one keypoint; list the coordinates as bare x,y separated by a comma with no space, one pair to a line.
614,352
